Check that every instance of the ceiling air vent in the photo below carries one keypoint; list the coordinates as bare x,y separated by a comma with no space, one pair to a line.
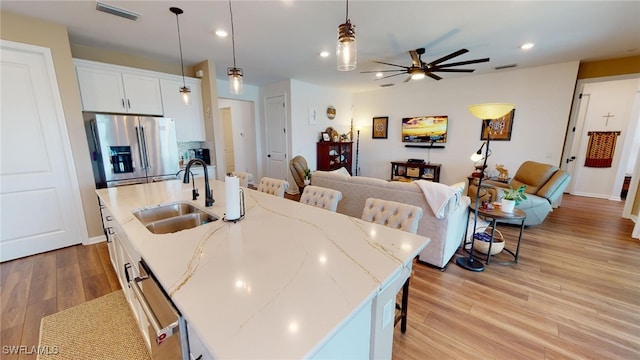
110,9
505,66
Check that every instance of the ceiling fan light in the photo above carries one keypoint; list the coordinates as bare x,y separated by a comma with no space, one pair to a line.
417,75
346,48
235,81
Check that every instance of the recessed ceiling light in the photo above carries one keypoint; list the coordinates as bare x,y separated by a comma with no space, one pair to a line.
324,54
526,46
221,33
379,75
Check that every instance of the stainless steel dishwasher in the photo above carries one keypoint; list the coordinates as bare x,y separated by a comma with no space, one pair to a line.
167,329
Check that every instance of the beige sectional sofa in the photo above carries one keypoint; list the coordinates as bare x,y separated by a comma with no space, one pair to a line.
445,234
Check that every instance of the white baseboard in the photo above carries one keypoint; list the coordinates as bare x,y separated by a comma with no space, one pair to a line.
95,240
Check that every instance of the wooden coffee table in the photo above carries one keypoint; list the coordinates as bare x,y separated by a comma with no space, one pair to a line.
494,216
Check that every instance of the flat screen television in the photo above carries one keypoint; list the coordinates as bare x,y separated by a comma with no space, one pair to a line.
425,129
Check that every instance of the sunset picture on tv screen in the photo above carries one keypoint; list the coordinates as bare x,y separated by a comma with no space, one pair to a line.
425,129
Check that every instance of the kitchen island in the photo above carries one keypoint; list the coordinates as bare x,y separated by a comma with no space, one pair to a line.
288,281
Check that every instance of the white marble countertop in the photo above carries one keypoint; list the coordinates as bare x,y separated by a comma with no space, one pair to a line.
278,283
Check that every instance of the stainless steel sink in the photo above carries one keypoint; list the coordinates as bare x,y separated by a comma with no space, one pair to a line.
173,217
164,212
182,222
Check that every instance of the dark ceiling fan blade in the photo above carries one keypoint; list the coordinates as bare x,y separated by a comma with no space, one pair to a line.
377,71
433,76
452,70
407,79
450,56
380,62
415,58
388,76
476,61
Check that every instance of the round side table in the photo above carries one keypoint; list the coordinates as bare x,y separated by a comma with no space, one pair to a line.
495,216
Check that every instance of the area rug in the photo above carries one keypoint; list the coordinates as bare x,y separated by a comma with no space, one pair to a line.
602,145
103,328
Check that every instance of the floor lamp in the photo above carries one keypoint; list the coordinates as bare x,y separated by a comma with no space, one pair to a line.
483,112
357,149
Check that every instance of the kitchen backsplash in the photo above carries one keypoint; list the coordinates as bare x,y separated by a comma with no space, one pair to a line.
184,147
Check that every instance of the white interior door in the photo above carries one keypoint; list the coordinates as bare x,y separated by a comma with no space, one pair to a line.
229,155
40,201
604,106
276,138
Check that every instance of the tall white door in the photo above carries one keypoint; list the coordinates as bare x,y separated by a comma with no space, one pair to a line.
229,155
604,106
40,206
276,121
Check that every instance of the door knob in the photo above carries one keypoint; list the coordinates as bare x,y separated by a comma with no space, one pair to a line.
571,159
269,155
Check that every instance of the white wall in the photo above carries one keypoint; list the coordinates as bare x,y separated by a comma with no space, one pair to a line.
542,96
243,123
250,93
307,97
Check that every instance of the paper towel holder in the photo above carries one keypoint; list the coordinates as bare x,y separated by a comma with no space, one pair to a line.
224,218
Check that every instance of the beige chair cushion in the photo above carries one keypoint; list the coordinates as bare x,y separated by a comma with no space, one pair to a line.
392,214
272,186
321,197
245,177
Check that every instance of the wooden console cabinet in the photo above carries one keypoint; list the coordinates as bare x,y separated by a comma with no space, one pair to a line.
406,171
334,155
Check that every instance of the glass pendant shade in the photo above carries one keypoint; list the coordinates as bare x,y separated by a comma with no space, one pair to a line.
186,94
490,110
235,81
346,48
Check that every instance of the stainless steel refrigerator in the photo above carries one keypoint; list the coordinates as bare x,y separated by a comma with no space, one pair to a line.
131,149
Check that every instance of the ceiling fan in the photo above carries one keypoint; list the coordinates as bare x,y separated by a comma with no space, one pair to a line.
419,69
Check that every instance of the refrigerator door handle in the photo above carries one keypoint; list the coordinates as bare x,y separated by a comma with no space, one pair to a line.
142,157
96,143
144,148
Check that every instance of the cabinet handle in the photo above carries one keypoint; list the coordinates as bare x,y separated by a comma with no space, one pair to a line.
123,104
127,266
128,103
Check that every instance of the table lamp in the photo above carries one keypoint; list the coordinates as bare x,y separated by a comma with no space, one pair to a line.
488,111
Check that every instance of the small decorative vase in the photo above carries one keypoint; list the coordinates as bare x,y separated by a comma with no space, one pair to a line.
307,182
508,205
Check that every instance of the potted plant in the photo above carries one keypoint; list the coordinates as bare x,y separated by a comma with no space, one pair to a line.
512,197
307,177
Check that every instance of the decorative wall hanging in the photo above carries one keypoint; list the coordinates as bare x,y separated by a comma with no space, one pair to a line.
380,127
331,112
500,128
602,145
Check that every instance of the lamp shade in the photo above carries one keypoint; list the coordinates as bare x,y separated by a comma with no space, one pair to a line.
490,110
476,157
347,47
235,81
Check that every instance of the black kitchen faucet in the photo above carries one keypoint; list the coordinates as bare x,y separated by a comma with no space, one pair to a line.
209,200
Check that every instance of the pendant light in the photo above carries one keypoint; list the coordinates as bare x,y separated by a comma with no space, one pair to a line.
346,49
234,73
184,90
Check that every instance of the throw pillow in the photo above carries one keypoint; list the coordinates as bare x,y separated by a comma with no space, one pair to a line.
342,171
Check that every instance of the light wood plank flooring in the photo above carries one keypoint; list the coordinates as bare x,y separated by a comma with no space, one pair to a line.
575,294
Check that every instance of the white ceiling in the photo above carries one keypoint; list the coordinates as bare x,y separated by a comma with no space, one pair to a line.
282,39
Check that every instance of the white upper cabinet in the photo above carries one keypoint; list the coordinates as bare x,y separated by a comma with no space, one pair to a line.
116,89
189,118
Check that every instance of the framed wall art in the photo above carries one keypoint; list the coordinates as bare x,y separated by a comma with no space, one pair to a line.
380,127
498,129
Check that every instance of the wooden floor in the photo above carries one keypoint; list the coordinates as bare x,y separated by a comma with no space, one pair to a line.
575,294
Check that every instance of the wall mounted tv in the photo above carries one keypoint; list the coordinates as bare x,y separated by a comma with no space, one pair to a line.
425,129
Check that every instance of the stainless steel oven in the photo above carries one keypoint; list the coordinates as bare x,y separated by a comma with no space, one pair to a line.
167,329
